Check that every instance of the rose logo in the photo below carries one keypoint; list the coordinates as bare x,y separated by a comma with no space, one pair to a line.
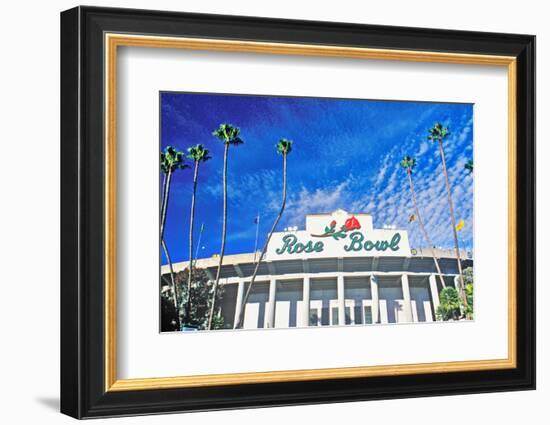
352,224
330,231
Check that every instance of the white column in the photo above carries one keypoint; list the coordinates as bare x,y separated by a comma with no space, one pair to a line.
305,302
341,300
406,298
375,300
239,301
270,322
434,291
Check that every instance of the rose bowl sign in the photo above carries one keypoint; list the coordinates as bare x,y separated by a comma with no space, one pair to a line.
338,235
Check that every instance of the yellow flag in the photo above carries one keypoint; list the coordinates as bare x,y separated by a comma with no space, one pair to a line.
460,224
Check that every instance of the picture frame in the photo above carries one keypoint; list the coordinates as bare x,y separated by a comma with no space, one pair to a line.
90,40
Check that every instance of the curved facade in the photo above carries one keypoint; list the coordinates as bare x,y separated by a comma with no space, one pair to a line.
339,270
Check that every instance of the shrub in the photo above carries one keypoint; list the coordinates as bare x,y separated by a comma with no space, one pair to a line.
201,299
468,275
449,304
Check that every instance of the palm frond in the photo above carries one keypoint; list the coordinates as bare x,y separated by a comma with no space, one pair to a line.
408,162
198,153
438,132
236,141
469,166
163,163
284,146
228,134
172,159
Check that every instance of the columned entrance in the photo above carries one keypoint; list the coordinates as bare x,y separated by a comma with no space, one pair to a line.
340,299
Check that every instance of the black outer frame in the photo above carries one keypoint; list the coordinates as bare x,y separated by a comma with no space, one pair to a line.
82,206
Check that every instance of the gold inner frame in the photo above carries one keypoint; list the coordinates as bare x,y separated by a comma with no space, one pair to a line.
113,41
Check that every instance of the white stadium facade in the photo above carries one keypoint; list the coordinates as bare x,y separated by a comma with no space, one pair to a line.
338,270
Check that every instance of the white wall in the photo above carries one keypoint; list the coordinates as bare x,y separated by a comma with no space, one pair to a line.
29,102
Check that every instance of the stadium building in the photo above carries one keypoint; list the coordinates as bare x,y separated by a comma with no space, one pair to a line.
338,270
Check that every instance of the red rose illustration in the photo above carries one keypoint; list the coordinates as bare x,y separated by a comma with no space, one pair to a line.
333,223
352,224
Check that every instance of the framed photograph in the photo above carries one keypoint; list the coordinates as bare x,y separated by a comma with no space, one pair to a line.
261,212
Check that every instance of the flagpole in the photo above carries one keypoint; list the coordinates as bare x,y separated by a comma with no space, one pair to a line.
461,223
257,230
199,243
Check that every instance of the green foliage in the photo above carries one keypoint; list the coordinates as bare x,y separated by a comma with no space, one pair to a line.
449,304
168,321
201,300
469,166
438,132
198,153
172,159
408,162
228,134
284,147
468,275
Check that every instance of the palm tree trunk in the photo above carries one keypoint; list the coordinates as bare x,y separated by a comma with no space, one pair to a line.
453,222
167,181
428,241
191,221
224,226
174,293
163,208
162,194
247,295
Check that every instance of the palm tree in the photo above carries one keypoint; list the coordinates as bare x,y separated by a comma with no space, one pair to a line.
197,154
437,134
170,160
284,147
408,164
229,135
469,166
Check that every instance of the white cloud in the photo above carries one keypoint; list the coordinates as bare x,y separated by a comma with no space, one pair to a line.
319,200
389,197
423,148
268,183
385,195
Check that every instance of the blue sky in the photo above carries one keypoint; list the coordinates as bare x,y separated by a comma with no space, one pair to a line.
345,155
